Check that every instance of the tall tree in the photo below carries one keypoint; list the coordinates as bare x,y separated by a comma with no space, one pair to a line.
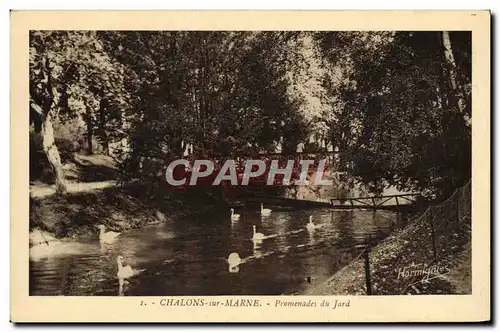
458,90
217,91
405,124
70,74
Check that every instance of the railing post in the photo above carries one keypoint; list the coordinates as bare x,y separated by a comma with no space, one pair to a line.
433,238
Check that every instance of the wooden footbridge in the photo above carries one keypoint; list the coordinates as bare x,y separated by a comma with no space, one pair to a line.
383,202
387,202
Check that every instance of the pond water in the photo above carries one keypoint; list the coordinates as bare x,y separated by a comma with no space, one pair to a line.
189,257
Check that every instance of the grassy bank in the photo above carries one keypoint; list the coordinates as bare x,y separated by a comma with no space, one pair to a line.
405,263
119,208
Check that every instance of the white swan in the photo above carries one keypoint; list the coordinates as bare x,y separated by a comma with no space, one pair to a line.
106,237
234,216
234,260
311,226
264,212
125,272
257,236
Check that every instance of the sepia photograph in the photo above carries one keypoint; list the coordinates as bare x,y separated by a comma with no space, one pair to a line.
188,164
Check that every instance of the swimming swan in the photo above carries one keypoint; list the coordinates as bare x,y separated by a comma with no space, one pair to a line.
264,212
125,272
257,236
234,260
106,237
234,216
311,226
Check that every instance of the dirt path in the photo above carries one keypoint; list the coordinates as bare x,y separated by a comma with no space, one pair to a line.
43,190
460,276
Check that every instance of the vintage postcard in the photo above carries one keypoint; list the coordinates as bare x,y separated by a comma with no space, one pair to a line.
250,166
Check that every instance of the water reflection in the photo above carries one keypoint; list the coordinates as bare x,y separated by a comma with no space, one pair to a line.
347,233
191,257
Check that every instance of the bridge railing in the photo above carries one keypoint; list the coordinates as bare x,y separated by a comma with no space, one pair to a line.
374,202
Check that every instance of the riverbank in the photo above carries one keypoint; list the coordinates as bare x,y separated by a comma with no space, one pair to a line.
119,208
404,264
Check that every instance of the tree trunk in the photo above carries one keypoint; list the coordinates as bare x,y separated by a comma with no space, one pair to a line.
102,123
50,148
89,133
450,59
458,96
